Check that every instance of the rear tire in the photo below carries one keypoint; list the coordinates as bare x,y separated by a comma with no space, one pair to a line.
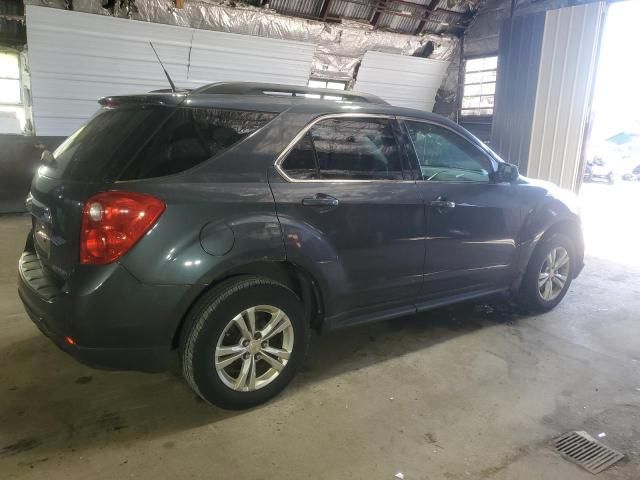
243,342
540,290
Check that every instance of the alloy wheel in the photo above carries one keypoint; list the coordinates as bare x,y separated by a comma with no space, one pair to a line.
554,273
254,348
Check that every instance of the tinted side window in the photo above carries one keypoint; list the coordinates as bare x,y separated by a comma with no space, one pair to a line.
191,136
445,156
301,161
357,149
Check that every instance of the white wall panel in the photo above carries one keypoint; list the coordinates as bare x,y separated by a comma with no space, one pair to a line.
76,58
401,80
565,82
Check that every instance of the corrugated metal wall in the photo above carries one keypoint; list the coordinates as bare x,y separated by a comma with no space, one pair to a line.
563,99
75,58
516,86
401,80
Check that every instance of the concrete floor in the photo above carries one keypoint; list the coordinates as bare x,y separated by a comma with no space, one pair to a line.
470,392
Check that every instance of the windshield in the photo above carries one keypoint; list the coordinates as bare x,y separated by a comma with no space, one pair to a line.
103,145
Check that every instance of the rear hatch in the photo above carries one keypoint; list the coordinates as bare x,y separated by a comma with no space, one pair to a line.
89,161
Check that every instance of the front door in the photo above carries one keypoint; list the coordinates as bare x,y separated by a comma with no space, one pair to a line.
350,215
472,222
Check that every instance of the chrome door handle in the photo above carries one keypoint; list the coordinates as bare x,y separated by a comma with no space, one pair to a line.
442,203
320,200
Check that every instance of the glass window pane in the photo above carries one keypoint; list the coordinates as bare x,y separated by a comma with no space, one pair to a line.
488,88
301,163
470,90
490,63
12,119
9,91
475,64
357,149
486,101
446,156
473,78
488,76
9,65
470,102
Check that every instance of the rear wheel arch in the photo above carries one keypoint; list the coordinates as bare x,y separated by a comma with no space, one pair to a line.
294,277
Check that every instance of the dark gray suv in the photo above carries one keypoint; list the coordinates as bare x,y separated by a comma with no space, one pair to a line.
229,221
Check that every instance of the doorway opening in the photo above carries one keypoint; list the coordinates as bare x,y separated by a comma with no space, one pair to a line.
610,191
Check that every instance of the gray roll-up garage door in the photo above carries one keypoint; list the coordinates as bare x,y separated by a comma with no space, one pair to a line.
76,58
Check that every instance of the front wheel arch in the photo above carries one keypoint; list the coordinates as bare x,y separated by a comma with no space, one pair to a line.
569,227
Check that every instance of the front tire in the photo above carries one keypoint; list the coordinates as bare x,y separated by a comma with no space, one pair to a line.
549,273
243,342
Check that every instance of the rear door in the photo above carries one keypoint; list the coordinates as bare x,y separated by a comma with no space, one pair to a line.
472,222
350,213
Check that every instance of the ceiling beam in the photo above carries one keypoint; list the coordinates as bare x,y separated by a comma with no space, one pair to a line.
379,9
324,10
430,9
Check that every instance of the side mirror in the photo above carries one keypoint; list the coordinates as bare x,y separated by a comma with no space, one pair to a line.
47,158
506,173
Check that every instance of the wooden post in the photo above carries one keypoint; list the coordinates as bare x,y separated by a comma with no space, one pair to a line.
180,3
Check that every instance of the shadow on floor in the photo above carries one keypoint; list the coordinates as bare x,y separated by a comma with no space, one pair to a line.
53,404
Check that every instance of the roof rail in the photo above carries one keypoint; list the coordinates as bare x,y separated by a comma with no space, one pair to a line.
276,89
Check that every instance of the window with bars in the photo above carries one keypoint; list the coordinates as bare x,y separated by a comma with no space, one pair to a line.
479,86
12,115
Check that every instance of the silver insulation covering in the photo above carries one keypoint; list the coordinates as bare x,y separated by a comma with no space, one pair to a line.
340,47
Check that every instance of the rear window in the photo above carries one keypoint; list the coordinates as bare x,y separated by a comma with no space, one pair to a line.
138,142
107,140
191,136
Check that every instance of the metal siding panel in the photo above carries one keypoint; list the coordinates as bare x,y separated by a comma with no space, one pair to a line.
518,64
401,80
567,68
76,58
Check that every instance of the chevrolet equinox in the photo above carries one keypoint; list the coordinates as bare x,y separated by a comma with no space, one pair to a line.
229,221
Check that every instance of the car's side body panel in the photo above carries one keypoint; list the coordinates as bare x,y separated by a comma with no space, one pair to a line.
368,250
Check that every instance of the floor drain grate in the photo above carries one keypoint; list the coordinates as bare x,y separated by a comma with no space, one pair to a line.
583,450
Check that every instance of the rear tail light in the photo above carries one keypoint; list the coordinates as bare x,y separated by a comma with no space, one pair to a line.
113,222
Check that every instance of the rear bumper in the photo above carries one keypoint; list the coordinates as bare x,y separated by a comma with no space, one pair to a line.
115,321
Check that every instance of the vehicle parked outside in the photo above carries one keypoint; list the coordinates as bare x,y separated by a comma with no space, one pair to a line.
599,169
228,222
633,174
